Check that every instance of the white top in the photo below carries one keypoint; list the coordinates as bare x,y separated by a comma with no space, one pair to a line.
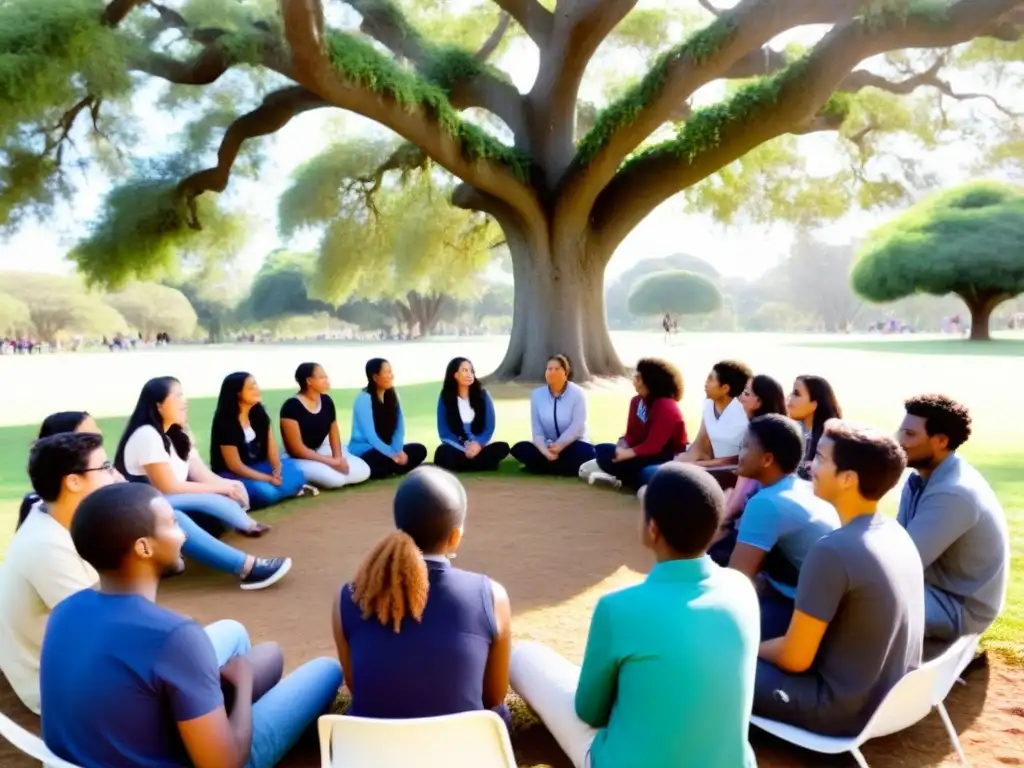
146,446
40,569
726,429
466,412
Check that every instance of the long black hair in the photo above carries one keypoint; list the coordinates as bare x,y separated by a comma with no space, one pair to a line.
450,398
146,414
225,428
819,391
54,424
771,395
386,409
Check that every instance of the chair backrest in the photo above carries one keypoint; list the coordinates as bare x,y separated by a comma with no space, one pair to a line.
952,663
913,697
465,740
30,744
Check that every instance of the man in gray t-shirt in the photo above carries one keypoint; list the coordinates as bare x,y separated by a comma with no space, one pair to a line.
858,624
955,519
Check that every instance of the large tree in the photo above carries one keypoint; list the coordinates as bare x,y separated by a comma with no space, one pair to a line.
566,198
675,292
154,309
969,242
60,305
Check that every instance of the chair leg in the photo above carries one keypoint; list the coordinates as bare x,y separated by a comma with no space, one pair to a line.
953,737
859,758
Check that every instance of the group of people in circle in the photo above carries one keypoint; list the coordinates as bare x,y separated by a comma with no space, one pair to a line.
778,586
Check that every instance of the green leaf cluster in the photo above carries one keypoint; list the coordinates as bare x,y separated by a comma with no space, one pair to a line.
61,305
970,239
677,292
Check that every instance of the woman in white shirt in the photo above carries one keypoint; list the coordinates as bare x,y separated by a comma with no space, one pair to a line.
156,449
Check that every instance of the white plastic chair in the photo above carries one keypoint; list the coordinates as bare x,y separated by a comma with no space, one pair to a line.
30,744
909,702
965,650
465,740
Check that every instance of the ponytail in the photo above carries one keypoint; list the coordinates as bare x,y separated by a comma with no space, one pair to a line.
392,581
30,500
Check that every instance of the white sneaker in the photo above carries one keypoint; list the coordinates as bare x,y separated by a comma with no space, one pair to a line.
642,492
588,468
604,479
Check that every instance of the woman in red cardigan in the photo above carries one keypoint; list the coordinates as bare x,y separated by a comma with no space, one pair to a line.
655,431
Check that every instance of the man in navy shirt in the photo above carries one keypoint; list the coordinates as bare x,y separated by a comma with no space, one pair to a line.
126,682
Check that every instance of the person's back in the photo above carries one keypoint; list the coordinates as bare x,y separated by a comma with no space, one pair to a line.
434,666
686,641
107,665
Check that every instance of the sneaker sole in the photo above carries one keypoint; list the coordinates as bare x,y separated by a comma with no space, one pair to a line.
279,574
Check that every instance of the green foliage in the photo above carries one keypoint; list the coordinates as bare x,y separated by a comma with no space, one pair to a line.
497,301
359,61
677,292
616,295
61,305
968,241
142,231
153,309
15,317
280,289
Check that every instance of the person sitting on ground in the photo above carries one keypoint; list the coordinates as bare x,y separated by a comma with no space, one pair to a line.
668,673
723,420
655,430
310,434
858,624
465,423
781,522
155,448
955,520
127,682
378,426
812,403
242,446
417,637
41,567
558,413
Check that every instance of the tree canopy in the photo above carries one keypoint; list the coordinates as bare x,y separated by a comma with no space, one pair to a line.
616,296
676,292
59,305
565,177
15,317
968,241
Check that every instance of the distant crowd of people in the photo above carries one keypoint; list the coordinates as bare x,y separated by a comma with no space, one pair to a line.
778,586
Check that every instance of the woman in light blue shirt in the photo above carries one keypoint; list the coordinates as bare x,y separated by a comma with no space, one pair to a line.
465,423
378,427
558,412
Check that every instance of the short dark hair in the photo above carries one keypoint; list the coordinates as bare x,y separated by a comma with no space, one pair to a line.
942,416
877,458
732,374
303,372
661,378
687,504
779,436
429,504
54,458
110,520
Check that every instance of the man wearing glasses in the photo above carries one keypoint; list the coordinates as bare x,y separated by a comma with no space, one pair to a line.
41,566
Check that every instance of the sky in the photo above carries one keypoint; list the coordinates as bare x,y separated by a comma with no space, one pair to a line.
744,250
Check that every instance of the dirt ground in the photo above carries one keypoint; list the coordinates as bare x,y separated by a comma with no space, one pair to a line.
556,546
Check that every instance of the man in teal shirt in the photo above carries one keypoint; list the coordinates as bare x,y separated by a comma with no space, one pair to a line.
668,674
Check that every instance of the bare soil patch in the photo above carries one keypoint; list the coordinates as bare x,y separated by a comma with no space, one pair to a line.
557,547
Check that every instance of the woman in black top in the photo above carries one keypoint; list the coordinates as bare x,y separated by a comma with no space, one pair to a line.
242,445
309,431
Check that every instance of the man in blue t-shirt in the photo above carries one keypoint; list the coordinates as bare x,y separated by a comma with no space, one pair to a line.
781,522
126,682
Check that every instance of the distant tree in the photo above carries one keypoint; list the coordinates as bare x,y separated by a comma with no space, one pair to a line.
280,289
58,304
675,292
153,309
15,317
968,241
779,316
370,315
616,296
497,301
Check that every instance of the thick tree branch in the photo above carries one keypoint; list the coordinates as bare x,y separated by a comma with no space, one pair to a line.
303,24
494,40
533,17
803,89
277,109
117,10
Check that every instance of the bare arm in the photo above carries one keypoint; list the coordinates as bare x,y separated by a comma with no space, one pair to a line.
235,465
292,436
334,436
344,653
273,456
700,448
219,739
496,675
747,560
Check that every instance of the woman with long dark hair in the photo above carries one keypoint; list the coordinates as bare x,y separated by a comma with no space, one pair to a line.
156,448
417,637
465,422
242,445
310,434
812,402
558,414
378,426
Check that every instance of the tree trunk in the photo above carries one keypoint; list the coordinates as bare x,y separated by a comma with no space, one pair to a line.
558,309
981,305
426,309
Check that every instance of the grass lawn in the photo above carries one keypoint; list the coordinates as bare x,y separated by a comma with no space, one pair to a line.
871,381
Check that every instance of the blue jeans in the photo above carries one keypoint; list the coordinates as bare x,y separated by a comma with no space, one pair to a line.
263,494
200,544
634,473
229,638
214,506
